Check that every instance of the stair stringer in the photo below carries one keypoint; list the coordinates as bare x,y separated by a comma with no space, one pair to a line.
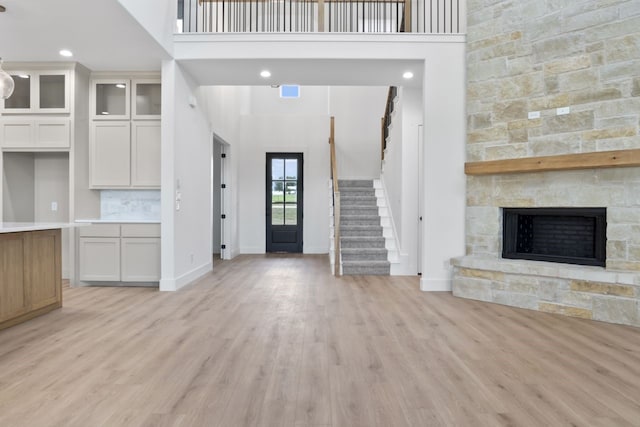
398,259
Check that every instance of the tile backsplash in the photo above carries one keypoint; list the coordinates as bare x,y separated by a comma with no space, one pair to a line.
130,205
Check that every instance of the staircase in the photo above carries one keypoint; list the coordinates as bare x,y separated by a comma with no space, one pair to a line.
362,242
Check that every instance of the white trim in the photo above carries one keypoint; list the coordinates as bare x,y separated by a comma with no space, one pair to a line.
188,278
435,285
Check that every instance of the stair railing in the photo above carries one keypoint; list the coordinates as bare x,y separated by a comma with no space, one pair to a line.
311,16
386,120
336,198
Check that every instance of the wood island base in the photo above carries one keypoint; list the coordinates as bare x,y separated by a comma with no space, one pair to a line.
30,275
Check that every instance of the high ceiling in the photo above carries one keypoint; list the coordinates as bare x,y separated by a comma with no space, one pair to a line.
100,33
104,37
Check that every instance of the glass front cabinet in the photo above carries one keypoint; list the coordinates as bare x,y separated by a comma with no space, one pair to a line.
38,92
146,98
124,99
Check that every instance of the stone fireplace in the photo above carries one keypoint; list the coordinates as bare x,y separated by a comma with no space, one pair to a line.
551,86
609,293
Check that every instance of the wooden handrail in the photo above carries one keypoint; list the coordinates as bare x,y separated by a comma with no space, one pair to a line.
336,198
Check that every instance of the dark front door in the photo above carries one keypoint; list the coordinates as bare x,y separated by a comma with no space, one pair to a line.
284,202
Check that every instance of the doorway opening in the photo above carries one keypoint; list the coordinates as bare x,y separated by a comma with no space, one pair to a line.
219,200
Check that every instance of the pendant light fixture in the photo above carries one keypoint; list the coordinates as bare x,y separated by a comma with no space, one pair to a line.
6,83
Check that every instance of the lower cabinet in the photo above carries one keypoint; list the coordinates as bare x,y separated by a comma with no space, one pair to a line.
100,258
140,259
120,253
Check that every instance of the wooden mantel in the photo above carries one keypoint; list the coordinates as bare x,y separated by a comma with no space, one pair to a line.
601,159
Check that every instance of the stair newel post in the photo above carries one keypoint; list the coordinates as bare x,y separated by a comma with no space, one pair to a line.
336,198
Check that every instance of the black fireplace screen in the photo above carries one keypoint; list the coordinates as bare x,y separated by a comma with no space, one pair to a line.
566,235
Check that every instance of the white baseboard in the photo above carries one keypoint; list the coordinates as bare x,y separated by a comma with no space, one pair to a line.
435,285
186,279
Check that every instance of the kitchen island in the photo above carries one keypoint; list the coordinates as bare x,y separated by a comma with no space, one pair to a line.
30,270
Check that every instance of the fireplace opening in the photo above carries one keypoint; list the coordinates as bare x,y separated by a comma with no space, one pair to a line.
565,235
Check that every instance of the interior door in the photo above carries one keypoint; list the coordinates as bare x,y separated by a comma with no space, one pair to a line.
284,202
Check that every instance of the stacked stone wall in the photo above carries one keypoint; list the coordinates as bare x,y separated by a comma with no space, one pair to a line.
525,56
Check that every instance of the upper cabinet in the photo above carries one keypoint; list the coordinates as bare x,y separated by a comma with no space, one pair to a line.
125,139
38,92
124,99
146,99
110,99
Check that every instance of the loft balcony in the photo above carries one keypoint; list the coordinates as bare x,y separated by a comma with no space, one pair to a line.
322,16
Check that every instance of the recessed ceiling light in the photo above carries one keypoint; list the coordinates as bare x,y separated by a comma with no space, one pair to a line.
66,52
121,85
105,113
265,74
408,75
23,76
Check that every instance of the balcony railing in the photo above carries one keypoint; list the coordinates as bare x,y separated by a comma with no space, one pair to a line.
308,16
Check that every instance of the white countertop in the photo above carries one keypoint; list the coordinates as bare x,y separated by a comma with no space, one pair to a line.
16,227
118,221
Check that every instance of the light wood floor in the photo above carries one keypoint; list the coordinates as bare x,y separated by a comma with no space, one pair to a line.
277,341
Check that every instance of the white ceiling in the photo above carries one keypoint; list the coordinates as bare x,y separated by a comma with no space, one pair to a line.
101,34
104,37
307,72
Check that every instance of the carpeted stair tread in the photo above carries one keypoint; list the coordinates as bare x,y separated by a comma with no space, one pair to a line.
358,211
360,220
364,254
368,268
352,242
360,230
347,201
349,183
363,246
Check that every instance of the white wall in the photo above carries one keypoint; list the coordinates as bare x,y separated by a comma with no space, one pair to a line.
186,172
263,133
400,176
255,120
224,107
358,111
18,195
444,156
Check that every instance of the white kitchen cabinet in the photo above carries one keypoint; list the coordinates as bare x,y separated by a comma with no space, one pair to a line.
40,92
121,158
110,154
119,253
146,99
99,258
145,154
110,99
41,133
140,259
